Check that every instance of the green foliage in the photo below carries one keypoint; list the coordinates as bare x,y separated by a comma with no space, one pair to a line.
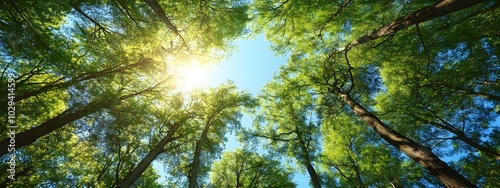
213,112
355,157
95,91
110,64
241,168
434,82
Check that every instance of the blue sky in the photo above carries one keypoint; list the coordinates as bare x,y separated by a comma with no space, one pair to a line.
250,66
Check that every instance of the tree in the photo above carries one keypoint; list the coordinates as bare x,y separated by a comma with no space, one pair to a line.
192,133
439,9
81,65
96,98
219,110
68,116
351,160
97,150
108,40
172,120
241,168
320,39
286,121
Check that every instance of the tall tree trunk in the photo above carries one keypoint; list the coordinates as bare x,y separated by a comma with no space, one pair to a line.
29,136
419,153
307,161
437,10
239,179
312,172
195,165
134,175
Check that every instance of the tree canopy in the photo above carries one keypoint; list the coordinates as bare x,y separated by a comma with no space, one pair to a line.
373,94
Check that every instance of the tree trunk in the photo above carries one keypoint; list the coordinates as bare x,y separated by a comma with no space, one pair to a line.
29,136
134,175
312,172
425,14
195,165
419,153
239,179
307,161
193,172
159,11
358,173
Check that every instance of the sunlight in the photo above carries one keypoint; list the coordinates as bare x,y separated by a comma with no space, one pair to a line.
191,76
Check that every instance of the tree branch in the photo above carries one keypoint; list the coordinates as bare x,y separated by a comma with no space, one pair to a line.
159,11
437,10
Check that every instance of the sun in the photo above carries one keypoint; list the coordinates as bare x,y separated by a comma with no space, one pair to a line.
191,76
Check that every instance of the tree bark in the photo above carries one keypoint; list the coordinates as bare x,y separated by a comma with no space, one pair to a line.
461,136
437,10
417,152
195,165
193,173
159,11
29,136
312,172
134,175
307,161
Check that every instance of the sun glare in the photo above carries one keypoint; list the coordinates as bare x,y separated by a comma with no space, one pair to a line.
191,76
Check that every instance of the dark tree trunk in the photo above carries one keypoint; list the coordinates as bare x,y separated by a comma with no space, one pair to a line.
461,136
134,175
29,136
80,78
195,165
159,11
307,162
312,172
417,152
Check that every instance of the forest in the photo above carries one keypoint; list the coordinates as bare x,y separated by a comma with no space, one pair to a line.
389,93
